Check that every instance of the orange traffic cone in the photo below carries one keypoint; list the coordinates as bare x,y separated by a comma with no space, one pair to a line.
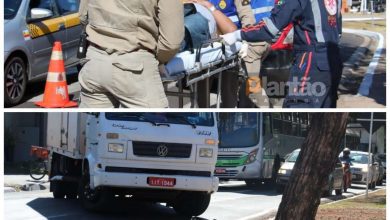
56,89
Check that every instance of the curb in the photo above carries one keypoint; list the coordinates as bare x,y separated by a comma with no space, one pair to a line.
9,189
360,52
365,86
26,187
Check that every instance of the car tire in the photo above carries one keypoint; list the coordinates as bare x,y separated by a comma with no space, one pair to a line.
339,192
15,81
379,182
329,190
191,203
372,185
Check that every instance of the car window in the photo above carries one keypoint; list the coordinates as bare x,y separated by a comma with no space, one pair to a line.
293,156
11,8
359,158
68,6
45,4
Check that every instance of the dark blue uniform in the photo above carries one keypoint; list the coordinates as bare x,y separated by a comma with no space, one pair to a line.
316,70
261,9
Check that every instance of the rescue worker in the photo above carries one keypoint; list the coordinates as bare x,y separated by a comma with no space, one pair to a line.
240,12
317,67
128,40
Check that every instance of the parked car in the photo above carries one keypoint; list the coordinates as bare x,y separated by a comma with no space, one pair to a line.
30,29
360,167
381,171
335,180
382,157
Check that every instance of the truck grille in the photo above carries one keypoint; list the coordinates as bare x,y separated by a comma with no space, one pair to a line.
159,149
157,171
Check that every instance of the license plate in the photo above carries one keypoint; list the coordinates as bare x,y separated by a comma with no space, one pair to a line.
219,171
160,181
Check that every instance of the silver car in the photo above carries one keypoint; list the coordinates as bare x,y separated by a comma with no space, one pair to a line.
30,29
335,180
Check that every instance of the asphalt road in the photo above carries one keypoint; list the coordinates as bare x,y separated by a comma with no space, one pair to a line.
233,201
349,43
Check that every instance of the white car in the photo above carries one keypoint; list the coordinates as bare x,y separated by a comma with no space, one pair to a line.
360,168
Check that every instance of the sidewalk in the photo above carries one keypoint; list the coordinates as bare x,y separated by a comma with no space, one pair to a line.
16,183
359,207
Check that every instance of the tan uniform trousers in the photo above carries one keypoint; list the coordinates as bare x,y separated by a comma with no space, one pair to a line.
129,80
256,53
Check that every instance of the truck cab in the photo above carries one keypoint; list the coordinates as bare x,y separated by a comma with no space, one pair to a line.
160,157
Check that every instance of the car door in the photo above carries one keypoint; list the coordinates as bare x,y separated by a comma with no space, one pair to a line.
69,11
43,33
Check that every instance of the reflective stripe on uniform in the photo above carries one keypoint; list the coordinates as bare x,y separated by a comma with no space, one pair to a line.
271,27
262,10
317,21
234,18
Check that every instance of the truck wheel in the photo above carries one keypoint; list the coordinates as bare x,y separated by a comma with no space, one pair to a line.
191,203
58,190
72,191
97,199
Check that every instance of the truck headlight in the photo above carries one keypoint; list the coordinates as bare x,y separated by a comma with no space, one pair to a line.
205,152
116,148
282,171
251,157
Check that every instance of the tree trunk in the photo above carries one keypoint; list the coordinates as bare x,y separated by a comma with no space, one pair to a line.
316,161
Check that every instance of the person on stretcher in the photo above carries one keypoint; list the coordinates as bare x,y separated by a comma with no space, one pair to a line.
201,24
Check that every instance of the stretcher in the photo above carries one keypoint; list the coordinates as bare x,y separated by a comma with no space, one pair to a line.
188,68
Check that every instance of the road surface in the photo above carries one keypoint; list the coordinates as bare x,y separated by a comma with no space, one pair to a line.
233,201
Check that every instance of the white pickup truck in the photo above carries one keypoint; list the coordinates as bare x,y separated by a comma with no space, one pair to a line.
159,157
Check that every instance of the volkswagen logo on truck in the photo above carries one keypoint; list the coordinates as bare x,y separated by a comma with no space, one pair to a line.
162,150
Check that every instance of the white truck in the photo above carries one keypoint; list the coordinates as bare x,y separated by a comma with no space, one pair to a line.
159,157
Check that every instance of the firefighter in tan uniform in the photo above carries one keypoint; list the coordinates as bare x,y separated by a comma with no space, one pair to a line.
128,40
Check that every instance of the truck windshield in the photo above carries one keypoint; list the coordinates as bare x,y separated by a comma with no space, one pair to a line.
238,130
11,8
192,119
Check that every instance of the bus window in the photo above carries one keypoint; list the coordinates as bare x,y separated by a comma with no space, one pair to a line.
238,129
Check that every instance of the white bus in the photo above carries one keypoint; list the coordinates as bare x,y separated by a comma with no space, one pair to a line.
252,145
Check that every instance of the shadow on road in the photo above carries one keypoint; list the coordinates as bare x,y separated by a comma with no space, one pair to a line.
52,208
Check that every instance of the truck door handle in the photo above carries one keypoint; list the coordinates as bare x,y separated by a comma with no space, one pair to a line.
95,143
